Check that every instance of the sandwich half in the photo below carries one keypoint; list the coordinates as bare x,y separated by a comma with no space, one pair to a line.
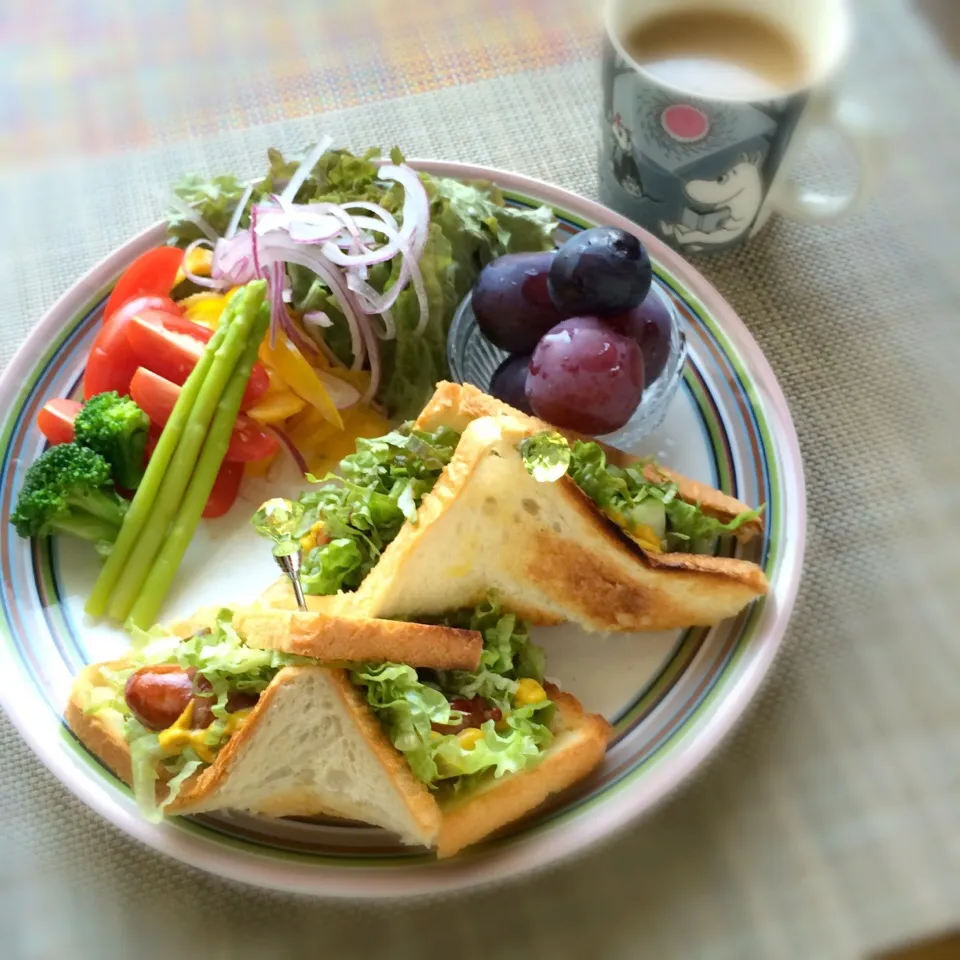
559,528
197,720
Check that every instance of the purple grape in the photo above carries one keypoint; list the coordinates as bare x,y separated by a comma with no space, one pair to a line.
650,325
600,271
509,382
511,301
586,376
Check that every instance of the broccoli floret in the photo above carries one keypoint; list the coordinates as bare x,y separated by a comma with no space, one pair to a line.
116,428
69,489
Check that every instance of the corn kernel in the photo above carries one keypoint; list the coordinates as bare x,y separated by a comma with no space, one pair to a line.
470,737
313,537
529,691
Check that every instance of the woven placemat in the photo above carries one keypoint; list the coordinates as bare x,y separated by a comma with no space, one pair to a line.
829,825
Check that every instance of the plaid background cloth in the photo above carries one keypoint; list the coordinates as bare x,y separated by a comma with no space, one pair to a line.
97,76
829,825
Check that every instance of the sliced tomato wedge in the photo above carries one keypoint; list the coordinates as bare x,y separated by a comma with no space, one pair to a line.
55,419
171,347
111,362
225,490
152,274
226,487
164,305
157,397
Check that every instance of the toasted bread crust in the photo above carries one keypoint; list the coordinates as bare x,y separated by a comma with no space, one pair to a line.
579,747
341,639
95,731
455,405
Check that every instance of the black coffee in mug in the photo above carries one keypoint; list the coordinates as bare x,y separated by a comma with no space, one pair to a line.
705,109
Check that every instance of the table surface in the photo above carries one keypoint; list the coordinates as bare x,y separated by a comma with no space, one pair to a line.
828,826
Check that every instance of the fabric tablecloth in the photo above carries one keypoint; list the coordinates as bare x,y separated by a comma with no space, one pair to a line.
828,826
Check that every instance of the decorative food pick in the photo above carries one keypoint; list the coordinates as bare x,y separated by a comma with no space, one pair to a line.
278,520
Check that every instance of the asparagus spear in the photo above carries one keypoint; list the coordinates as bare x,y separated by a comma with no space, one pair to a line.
146,495
240,317
164,568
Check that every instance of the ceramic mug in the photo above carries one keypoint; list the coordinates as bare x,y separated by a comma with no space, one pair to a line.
706,173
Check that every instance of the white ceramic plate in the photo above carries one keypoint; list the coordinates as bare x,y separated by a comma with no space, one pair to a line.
672,696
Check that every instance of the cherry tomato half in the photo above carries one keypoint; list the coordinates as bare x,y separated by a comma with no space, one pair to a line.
55,419
152,274
165,305
111,362
171,346
225,490
157,397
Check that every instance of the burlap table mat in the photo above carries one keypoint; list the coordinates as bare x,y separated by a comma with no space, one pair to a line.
829,825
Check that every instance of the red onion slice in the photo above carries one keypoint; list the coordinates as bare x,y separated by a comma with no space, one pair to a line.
194,217
312,259
305,168
291,448
238,211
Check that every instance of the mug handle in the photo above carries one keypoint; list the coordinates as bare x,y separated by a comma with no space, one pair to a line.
854,124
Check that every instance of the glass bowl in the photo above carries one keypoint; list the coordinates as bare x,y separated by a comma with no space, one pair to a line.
474,359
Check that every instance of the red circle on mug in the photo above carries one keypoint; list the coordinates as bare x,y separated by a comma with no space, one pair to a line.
684,122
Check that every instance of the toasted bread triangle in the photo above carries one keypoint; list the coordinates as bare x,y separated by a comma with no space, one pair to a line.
310,746
455,405
543,548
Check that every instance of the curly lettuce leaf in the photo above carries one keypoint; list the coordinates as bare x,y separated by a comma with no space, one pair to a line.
518,744
409,705
508,655
214,198
637,504
362,510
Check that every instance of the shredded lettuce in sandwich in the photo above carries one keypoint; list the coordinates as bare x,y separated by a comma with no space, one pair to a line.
228,664
652,513
410,703
361,510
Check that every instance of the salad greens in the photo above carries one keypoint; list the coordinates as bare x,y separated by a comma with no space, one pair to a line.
470,225
225,661
627,496
361,510
409,702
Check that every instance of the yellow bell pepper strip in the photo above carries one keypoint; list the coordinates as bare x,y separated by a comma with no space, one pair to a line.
299,376
358,421
204,308
276,407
